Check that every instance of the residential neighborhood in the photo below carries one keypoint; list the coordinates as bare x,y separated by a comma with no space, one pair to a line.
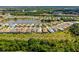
39,28
11,21
32,26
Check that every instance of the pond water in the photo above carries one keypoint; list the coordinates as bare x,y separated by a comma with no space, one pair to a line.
24,22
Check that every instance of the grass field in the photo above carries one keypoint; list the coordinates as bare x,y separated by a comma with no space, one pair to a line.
62,35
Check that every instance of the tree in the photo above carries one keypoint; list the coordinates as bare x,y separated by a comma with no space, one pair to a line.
75,29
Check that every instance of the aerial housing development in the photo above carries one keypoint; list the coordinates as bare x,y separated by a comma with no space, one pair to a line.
39,28
24,20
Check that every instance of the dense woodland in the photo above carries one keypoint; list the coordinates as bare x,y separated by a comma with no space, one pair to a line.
37,45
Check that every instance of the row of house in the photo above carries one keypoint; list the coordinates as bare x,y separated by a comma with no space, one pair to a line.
39,28
61,26
23,28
